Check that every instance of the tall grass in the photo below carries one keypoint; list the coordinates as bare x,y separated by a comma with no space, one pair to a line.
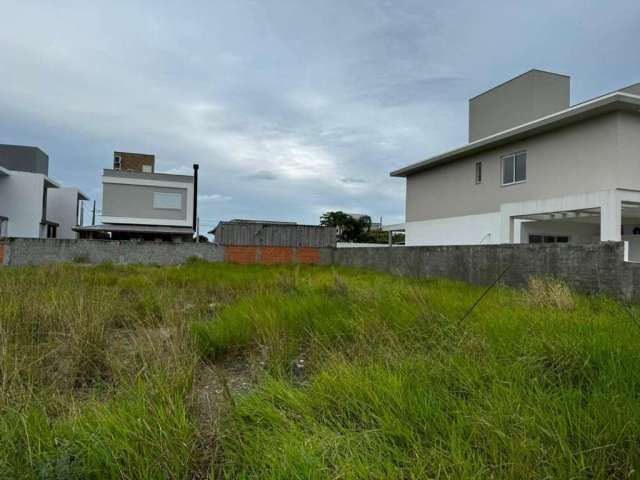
281,372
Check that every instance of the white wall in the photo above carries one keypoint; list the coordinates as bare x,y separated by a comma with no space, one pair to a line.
62,208
464,230
361,245
21,196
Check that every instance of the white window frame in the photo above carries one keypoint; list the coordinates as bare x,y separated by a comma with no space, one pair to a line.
512,157
478,170
147,169
117,162
163,200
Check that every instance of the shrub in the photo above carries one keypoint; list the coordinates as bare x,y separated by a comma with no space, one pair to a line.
81,259
550,292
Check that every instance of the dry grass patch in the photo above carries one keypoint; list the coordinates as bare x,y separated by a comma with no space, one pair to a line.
550,292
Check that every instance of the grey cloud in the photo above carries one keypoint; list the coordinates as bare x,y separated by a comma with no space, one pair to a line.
262,175
352,180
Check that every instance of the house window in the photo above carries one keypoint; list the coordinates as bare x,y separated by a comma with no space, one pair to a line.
514,168
478,172
539,238
146,168
116,162
170,201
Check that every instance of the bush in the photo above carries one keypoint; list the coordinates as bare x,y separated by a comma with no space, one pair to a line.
550,292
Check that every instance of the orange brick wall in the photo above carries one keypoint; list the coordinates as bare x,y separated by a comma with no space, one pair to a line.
308,255
271,255
241,254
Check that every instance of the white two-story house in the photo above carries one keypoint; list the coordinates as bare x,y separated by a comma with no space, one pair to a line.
536,170
32,205
140,204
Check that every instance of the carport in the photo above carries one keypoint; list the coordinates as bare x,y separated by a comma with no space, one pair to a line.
611,215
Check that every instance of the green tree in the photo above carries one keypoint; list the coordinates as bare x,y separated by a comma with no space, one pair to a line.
348,229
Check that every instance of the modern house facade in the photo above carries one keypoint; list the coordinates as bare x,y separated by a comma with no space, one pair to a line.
138,203
535,170
32,205
64,207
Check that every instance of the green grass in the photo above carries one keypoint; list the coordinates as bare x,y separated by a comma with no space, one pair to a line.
224,371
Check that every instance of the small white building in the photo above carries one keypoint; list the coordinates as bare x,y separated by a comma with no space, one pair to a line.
64,207
31,204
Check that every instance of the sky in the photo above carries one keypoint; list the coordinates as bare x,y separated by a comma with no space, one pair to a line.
291,108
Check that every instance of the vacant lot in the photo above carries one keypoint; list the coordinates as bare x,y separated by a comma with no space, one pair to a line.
222,371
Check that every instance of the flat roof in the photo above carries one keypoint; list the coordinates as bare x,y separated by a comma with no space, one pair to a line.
266,223
31,147
49,222
607,103
48,182
135,229
107,172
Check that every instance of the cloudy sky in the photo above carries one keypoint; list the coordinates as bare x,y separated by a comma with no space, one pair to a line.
293,107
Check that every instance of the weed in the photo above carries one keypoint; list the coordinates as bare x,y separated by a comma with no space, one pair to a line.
308,372
550,292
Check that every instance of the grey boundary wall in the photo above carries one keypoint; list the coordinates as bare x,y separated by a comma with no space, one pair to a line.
26,251
588,268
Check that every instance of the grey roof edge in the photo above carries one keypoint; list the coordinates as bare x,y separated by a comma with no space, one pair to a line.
517,77
133,228
569,115
27,146
266,224
108,172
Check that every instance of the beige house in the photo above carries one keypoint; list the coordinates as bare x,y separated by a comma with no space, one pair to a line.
535,170
139,203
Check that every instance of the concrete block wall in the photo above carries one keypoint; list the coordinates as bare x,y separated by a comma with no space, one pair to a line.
588,268
23,251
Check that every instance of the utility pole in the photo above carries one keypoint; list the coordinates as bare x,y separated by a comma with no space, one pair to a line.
93,214
198,230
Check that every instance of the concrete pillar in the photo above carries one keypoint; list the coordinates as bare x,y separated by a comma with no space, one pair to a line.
611,218
506,228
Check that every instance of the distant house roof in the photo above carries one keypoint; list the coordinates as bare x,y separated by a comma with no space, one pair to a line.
136,229
255,222
274,234
49,222
607,103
